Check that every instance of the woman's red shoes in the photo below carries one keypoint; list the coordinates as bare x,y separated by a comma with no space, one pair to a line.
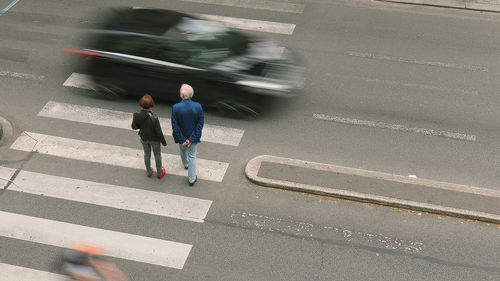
150,174
162,173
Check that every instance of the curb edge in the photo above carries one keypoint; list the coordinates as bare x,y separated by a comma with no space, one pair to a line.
463,6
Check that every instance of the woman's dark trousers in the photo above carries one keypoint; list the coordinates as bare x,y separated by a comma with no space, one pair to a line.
147,155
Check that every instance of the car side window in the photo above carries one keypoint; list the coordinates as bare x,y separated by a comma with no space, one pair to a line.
176,52
192,53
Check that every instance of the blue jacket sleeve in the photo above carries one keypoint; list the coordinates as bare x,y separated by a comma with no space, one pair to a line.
196,136
176,130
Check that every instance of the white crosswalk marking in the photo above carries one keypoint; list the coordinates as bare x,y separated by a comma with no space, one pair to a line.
77,80
5,175
117,244
112,155
17,273
256,4
121,197
123,120
254,25
248,24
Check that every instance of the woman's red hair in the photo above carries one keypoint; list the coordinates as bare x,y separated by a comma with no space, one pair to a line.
146,101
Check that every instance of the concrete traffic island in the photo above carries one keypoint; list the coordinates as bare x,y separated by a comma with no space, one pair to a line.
375,187
477,5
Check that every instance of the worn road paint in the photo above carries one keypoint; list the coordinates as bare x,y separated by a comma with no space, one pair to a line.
26,76
421,62
396,127
305,229
407,84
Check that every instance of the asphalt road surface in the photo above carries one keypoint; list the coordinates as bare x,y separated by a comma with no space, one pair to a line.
393,88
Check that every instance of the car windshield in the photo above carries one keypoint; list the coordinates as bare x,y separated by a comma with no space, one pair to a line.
196,29
206,42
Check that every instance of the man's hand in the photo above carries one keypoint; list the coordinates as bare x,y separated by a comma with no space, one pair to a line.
187,143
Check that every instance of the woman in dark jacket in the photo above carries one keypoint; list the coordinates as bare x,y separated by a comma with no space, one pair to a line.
150,133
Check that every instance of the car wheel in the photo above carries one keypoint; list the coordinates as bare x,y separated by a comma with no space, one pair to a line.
247,109
108,89
235,109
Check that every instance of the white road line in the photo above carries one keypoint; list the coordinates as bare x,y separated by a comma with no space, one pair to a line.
421,62
256,4
396,127
123,120
249,24
406,84
112,155
17,273
26,76
77,80
120,197
117,244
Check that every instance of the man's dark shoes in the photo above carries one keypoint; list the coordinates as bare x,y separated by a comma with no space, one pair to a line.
186,167
150,174
192,183
162,173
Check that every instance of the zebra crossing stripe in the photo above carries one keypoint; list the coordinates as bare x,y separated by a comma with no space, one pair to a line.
15,273
254,25
256,4
120,197
112,155
78,80
123,120
247,24
117,244
5,175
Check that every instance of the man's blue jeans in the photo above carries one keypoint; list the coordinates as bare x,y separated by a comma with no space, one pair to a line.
188,157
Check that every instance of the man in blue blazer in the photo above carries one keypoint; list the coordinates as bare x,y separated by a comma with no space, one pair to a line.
187,124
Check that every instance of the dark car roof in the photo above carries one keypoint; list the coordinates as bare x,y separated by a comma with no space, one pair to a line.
142,20
152,33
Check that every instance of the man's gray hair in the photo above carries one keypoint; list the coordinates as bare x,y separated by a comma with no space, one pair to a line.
187,91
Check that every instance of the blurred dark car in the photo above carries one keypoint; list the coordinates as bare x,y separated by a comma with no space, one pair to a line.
139,50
